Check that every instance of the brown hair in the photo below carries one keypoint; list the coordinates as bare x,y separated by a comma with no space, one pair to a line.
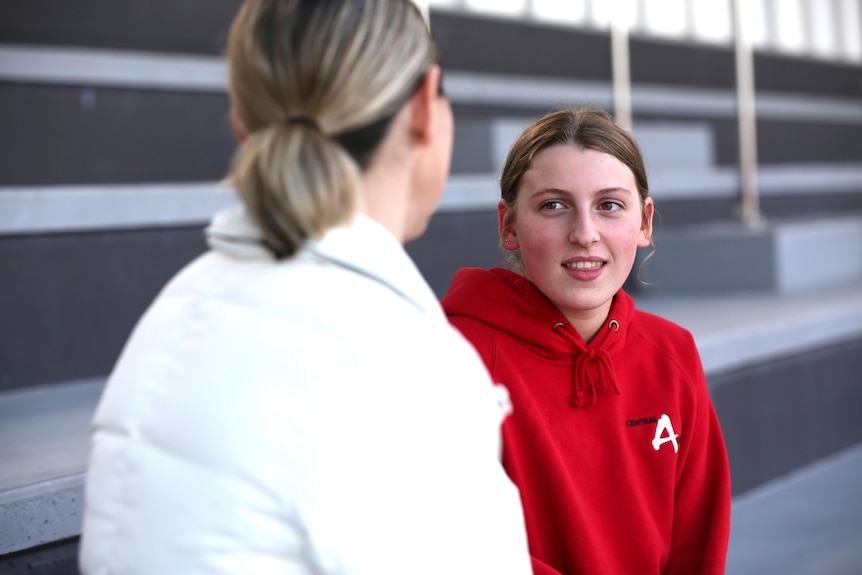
586,127
314,85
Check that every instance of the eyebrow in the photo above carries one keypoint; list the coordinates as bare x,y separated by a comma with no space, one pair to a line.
614,189
601,192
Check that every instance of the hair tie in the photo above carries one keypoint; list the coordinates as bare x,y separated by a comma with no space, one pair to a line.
305,121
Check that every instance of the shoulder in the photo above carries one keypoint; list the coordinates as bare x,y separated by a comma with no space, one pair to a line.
659,330
666,342
479,334
472,328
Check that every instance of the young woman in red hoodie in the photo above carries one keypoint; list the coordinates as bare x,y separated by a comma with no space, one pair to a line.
614,442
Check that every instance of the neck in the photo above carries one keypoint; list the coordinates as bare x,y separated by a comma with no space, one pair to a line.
588,323
387,181
386,197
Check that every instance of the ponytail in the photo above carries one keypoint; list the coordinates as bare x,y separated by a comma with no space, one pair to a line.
314,85
296,183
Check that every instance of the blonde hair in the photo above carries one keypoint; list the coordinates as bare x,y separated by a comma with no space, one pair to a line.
314,85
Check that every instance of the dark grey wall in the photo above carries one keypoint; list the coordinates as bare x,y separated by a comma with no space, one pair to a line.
68,300
175,26
780,415
83,135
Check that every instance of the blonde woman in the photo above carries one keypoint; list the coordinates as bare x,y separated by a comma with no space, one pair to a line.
295,401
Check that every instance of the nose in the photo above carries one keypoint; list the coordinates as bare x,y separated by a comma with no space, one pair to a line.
583,230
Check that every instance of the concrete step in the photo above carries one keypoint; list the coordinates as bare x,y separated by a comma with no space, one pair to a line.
781,257
806,523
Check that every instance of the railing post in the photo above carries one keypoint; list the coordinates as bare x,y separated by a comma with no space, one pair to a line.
621,66
747,121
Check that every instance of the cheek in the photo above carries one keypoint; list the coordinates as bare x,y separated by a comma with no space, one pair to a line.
628,239
538,243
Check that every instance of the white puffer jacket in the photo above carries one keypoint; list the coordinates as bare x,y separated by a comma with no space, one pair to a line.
316,415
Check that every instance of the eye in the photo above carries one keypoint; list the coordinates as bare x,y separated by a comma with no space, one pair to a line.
551,205
609,206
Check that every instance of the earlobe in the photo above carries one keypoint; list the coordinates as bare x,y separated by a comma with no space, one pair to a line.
505,228
645,239
236,127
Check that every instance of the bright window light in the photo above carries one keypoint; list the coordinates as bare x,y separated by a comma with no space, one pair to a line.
623,12
822,19
825,28
850,20
789,30
665,17
445,3
754,22
569,11
502,7
712,20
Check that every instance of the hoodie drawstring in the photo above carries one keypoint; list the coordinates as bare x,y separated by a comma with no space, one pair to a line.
592,374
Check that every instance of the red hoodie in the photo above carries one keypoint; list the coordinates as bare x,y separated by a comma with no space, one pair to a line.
614,445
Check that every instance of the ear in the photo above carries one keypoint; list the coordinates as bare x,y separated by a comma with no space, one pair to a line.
236,127
424,109
506,230
646,225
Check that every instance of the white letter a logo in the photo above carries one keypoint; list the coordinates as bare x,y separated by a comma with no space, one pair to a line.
664,426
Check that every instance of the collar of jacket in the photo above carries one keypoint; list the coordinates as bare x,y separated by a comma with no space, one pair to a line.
363,247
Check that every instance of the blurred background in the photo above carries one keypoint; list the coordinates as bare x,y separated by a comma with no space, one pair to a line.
114,136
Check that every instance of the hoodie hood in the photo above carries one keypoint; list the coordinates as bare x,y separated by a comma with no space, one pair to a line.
511,304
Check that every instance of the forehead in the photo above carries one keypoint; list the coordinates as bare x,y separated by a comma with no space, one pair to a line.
574,166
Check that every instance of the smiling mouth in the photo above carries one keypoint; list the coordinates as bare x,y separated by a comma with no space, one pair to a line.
584,265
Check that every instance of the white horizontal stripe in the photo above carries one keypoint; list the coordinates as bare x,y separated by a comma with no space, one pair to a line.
113,68
809,108
470,192
786,180
77,208
467,88
825,178
688,184
31,210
